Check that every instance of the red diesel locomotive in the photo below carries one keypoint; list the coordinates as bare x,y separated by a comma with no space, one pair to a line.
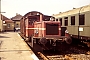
42,30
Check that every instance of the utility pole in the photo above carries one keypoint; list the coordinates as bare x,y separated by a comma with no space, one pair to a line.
78,22
1,20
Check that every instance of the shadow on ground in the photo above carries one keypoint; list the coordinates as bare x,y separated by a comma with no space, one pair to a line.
3,32
4,37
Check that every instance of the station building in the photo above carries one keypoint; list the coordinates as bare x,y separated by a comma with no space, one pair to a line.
6,24
16,20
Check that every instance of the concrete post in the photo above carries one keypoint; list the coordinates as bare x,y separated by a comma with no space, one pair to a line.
78,23
0,18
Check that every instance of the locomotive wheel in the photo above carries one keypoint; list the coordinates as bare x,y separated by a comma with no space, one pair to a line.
43,41
68,40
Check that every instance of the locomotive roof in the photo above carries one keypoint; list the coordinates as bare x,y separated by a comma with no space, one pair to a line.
31,12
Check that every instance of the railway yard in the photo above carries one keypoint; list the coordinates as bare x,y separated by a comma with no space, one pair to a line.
37,36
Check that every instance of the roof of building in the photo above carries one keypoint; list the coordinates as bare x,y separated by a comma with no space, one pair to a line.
9,21
17,17
4,17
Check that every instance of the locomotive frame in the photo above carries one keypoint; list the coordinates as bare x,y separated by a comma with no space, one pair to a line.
33,21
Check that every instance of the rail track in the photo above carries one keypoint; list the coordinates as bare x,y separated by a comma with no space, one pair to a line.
56,57
40,55
77,57
73,52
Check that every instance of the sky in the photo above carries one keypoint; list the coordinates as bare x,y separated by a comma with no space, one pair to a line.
47,7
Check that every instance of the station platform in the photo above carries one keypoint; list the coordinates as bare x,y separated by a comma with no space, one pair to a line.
13,47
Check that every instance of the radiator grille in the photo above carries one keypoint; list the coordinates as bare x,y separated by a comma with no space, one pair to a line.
52,29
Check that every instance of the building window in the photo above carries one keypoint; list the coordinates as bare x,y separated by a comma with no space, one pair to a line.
66,21
72,20
53,20
60,20
56,19
8,25
32,20
82,19
17,25
30,23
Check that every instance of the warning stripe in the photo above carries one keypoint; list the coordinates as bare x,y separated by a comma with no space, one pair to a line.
40,28
37,28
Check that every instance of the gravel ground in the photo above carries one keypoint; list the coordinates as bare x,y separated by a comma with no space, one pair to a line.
74,52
